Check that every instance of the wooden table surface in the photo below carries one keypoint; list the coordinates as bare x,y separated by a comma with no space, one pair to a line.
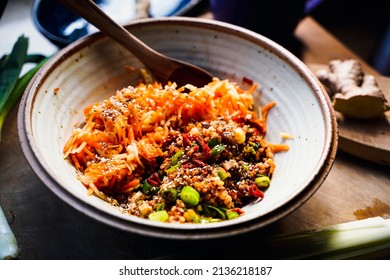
47,228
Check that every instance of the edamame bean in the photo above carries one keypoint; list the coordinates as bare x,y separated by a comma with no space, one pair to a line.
189,196
170,195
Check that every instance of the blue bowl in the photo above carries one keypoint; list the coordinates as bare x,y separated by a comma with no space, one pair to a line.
62,26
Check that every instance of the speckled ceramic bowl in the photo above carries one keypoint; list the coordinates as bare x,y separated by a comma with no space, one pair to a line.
93,68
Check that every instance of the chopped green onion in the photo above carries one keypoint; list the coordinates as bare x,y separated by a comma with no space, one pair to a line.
216,150
256,146
249,150
146,187
149,189
159,216
213,211
222,174
176,157
160,207
171,169
212,143
170,195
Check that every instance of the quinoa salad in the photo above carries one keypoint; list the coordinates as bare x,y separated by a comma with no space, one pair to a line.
176,155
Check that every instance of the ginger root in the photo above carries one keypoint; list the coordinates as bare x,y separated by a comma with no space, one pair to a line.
354,94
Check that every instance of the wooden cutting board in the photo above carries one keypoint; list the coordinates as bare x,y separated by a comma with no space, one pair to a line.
366,139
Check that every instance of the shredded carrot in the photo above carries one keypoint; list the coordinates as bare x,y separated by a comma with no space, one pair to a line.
276,148
264,111
75,161
122,135
130,185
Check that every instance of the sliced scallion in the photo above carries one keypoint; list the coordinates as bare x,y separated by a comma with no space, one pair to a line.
176,157
216,150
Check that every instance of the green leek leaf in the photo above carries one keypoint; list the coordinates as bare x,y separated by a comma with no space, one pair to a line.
11,89
17,92
11,68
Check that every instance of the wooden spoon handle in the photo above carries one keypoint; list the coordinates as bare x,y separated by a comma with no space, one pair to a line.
163,68
95,15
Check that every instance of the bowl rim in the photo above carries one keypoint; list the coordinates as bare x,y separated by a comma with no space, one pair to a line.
28,145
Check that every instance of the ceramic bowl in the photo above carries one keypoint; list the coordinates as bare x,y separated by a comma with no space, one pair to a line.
93,68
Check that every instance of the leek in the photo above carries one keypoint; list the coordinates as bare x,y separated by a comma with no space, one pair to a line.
367,238
362,239
8,246
11,85
11,67
17,92
11,89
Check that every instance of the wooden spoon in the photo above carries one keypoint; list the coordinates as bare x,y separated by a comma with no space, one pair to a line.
163,68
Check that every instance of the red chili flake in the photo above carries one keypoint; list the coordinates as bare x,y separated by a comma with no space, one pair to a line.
248,81
130,68
205,151
187,139
255,124
199,163
168,140
255,191
56,90
238,210
189,165
201,151
192,150
154,180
